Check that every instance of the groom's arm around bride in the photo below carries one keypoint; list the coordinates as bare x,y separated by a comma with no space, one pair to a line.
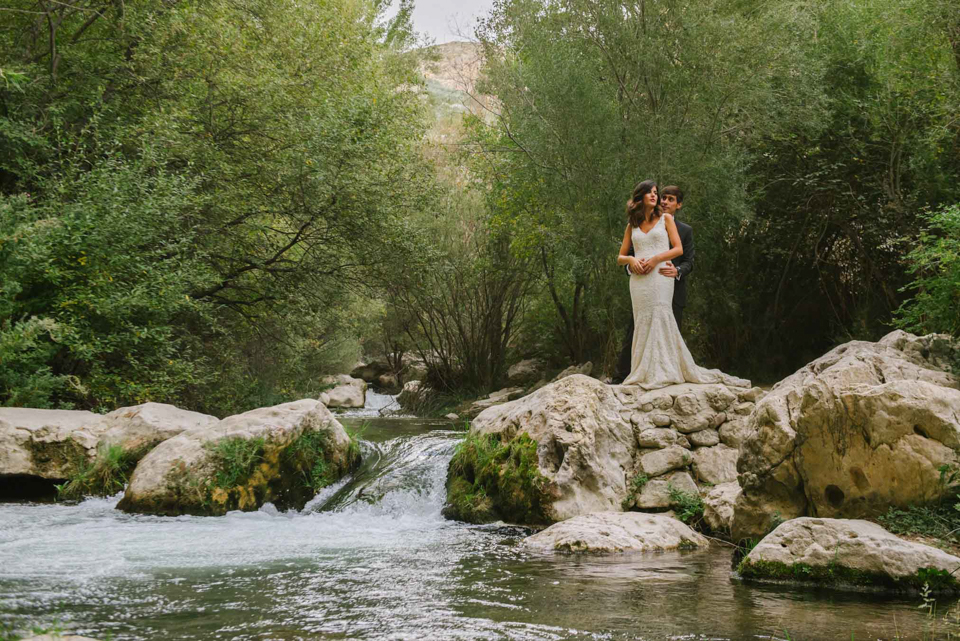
671,201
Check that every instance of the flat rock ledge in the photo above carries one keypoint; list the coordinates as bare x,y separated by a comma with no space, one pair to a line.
848,553
282,454
616,532
578,446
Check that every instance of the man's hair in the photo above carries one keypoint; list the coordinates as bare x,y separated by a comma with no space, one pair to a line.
673,190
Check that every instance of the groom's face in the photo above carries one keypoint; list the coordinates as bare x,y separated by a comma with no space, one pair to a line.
669,204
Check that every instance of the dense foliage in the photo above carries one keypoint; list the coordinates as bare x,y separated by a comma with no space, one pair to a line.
809,137
214,203
191,192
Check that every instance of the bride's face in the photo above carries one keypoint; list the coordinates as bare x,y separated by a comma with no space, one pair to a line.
651,198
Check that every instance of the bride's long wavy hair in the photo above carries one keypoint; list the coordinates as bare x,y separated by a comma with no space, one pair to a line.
635,204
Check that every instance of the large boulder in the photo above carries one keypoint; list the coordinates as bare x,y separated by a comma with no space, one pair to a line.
578,446
47,444
143,427
865,427
611,532
415,395
344,391
282,454
854,552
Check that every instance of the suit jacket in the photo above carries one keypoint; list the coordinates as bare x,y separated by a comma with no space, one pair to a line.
683,263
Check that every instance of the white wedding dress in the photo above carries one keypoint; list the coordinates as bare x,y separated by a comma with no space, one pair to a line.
659,356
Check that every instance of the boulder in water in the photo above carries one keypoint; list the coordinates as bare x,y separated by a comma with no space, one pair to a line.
612,532
848,552
282,454
863,428
47,444
574,447
345,391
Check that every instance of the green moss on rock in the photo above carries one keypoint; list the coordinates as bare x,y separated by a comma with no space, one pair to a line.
834,574
491,479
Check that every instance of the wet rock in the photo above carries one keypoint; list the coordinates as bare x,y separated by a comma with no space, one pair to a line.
282,454
865,427
613,532
346,391
847,552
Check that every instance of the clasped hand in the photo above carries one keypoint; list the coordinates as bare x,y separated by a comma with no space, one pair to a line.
645,266
642,265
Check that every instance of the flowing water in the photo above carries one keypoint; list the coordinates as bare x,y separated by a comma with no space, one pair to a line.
372,558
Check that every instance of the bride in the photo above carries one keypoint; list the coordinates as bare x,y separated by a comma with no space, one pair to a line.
659,357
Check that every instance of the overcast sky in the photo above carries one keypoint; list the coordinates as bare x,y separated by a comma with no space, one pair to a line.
440,19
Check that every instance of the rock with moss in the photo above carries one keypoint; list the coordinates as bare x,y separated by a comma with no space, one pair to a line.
589,441
47,444
865,427
613,532
848,553
283,455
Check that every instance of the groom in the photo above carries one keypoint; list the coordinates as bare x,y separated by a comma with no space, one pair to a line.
671,201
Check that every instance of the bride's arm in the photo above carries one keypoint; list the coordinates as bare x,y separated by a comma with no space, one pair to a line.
624,257
676,247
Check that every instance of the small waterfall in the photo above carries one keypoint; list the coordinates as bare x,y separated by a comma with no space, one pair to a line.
375,404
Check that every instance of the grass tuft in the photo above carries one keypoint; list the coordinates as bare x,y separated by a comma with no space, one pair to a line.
490,479
105,476
687,505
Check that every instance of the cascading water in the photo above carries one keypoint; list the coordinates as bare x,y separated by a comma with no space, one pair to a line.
372,558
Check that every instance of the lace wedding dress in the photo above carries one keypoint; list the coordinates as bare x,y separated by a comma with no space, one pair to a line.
659,356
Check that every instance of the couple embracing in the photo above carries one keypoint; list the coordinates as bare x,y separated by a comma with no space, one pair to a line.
658,254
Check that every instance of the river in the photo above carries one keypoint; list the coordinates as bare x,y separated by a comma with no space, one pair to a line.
372,558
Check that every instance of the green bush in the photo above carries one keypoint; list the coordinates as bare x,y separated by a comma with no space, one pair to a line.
105,476
489,478
934,264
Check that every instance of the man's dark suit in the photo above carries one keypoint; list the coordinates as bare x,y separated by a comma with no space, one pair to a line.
684,265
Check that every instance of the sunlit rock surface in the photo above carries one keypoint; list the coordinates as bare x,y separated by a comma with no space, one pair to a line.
865,427
611,532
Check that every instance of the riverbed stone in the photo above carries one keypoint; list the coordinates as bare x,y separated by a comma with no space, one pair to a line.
47,444
718,506
345,391
281,454
616,532
861,429
848,551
